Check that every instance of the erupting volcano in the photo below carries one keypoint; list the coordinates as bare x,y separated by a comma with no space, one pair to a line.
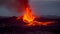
29,18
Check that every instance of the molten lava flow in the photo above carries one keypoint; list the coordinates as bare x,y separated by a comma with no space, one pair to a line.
28,17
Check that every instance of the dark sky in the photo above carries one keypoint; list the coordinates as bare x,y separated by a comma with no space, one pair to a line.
39,7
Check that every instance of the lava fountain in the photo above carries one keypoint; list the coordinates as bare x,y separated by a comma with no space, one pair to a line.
29,18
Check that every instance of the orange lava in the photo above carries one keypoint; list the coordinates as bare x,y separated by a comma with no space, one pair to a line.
28,17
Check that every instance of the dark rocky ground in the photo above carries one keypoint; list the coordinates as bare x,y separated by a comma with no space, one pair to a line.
11,25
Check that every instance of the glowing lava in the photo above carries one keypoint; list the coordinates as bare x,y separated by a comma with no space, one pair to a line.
28,18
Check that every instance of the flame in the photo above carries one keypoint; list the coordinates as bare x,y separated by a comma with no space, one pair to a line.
28,17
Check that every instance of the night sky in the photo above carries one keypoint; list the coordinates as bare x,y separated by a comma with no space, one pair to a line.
39,7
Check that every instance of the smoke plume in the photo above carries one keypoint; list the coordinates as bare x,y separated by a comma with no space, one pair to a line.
22,4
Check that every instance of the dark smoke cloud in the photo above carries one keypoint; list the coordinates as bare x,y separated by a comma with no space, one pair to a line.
22,4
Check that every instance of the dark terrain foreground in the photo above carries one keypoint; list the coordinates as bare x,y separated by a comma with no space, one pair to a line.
11,25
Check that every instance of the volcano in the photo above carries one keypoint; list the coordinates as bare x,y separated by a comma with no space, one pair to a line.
29,18
11,24
28,23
